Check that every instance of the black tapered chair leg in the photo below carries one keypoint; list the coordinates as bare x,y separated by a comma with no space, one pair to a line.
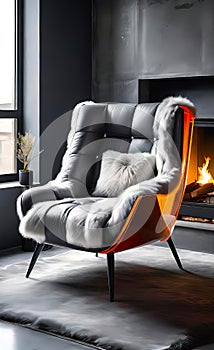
110,263
34,258
175,253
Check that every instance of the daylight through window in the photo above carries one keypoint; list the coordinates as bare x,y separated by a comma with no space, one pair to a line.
7,56
7,146
9,108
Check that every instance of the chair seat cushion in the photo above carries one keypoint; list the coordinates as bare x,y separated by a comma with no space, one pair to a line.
122,170
77,221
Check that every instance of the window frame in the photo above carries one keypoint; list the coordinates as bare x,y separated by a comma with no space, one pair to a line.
16,113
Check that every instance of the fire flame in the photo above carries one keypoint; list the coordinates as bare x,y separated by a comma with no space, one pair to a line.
204,175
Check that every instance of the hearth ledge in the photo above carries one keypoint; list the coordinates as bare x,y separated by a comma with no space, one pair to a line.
195,225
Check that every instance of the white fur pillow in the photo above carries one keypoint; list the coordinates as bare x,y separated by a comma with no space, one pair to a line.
121,170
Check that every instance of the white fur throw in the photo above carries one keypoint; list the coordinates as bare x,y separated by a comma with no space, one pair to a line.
122,170
97,221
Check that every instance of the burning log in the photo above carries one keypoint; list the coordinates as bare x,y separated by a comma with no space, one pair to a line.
196,190
191,187
203,186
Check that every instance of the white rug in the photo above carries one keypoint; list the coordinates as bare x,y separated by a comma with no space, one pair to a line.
156,303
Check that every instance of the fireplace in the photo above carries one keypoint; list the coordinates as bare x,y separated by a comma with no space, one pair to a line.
198,205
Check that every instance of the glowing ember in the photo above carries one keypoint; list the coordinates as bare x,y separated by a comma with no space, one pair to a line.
204,176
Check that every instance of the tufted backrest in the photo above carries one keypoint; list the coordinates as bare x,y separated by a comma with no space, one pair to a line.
97,127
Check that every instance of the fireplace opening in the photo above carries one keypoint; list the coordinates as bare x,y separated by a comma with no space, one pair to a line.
200,182
199,89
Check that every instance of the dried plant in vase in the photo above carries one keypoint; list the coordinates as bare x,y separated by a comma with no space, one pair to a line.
25,144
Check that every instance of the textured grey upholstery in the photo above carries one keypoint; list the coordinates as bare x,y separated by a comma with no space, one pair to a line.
99,127
122,127
60,205
66,211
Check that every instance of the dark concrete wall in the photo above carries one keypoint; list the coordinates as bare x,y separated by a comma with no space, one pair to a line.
65,56
149,38
9,219
65,68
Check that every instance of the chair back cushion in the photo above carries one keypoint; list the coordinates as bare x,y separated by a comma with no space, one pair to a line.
96,128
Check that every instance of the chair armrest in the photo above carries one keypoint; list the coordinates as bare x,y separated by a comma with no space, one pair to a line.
145,223
32,196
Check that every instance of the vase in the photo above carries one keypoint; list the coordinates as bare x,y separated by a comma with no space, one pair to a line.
26,178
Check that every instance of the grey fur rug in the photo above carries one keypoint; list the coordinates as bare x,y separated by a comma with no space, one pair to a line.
156,304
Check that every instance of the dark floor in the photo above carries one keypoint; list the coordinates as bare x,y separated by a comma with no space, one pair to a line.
14,337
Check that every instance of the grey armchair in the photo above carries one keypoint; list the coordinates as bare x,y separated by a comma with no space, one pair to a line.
121,182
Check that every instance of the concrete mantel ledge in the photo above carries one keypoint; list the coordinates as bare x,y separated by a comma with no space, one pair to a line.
195,225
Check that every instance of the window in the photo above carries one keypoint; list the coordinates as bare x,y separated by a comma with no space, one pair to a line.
7,57
10,85
7,146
